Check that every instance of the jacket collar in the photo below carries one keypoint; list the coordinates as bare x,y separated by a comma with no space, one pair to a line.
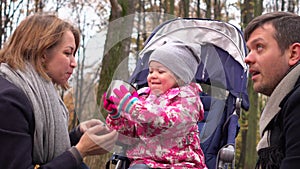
285,86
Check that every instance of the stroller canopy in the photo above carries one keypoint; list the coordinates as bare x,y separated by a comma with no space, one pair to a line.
214,37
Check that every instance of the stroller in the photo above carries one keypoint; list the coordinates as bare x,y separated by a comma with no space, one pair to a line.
222,74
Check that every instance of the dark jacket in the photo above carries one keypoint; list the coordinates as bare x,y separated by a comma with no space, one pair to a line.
17,130
284,150
290,109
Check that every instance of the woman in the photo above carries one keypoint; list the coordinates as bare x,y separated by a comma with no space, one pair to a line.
33,119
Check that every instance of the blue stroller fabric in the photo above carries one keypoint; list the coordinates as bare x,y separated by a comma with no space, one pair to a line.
220,127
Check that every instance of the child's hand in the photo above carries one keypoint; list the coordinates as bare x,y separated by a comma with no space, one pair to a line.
109,106
124,99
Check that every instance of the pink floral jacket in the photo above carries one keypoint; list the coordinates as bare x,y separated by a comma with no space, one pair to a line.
162,131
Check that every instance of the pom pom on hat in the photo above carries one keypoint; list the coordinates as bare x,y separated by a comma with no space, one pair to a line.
182,59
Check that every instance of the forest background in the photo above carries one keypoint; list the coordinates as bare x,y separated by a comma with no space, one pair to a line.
113,32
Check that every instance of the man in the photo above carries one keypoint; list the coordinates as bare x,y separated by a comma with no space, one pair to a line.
273,40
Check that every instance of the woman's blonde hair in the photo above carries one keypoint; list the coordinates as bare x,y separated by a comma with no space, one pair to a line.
32,38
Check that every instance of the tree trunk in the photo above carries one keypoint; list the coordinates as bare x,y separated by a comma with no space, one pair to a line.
251,154
282,5
116,51
171,11
217,9
186,8
208,9
249,151
291,5
198,9
241,161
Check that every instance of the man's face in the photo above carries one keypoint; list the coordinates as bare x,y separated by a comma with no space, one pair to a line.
267,64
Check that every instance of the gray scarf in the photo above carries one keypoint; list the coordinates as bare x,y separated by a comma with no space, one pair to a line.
272,107
51,136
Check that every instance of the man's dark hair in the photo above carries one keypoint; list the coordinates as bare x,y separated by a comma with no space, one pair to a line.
286,25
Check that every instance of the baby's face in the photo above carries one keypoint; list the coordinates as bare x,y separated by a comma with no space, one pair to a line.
160,78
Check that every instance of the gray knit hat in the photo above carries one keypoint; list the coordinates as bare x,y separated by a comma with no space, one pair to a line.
182,59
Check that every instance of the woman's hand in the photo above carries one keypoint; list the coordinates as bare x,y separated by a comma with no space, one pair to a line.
97,138
83,126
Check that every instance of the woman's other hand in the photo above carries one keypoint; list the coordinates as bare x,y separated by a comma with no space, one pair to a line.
97,138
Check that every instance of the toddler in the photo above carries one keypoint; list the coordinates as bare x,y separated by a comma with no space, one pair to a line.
159,122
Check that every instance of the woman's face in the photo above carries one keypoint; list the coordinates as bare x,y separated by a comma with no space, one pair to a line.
160,78
60,59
